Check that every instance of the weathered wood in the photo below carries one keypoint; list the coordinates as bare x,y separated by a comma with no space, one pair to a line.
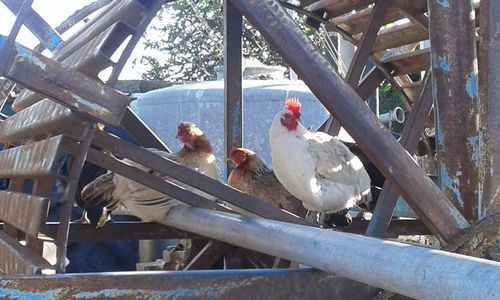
409,63
399,35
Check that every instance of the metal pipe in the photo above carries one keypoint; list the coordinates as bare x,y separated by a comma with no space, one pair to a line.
416,272
431,205
395,115
456,102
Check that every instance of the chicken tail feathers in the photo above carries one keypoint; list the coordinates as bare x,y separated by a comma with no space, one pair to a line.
99,193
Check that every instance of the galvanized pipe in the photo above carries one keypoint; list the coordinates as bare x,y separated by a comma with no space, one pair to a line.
456,102
417,272
425,198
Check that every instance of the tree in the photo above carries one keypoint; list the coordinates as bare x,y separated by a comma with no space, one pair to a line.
186,42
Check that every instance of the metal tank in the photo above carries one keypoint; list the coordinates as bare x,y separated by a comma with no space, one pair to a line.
203,104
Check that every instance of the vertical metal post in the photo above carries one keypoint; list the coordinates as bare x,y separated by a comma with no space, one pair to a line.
456,102
233,98
489,70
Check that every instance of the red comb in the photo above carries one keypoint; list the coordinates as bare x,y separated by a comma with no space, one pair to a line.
293,104
232,151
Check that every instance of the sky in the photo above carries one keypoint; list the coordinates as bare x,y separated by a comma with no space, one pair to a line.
54,12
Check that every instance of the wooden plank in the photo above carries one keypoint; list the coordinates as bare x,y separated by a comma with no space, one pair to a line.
409,63
16,259
38,121
25,212
338,7
399,35
356,22
32,160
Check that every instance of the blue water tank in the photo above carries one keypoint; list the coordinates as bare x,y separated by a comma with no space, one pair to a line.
203,104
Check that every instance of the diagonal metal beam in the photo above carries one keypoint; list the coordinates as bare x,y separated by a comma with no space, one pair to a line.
362,53
341,100
366,43
409,139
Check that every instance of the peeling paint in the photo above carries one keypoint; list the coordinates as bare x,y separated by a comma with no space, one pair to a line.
471,86
451,183
209,291
440,62
474,142
236,119
54,42
94,107
15,294
442,3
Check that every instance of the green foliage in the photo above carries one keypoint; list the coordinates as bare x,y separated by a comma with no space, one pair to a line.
186,42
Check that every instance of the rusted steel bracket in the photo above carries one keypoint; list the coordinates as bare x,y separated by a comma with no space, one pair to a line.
482,240
65,85
435,210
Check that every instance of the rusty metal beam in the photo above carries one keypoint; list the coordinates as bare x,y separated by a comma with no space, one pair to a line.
32,160
233,94
489,70
411,135
237,284
119,230
37,25
149,180
362,54
366,43
195,179
66,86
456,102
17,259
39,120
435,210
15,207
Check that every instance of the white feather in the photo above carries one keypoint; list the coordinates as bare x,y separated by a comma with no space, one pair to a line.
316,168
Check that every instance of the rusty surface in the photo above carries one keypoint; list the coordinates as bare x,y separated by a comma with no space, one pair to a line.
120,231
67,86
233,95
412,132
238,284
37,25
150,180
193,178
17,259
70,189
40,120
436,211
489,70
456,103
15,207
482,240
35,159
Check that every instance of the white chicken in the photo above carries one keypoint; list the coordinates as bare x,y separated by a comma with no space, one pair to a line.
315,167
111,190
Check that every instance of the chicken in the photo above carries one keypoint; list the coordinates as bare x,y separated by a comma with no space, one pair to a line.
141,201
251,176
315,167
